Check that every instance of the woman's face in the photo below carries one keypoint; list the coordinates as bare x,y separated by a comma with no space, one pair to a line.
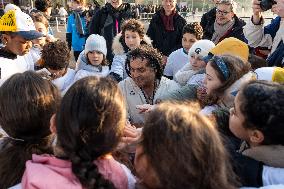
224,14
95,57
237,120
132,39
169,5
212,82
115,3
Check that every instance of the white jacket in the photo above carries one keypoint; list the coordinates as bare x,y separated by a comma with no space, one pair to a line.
269,36
134,96
63,83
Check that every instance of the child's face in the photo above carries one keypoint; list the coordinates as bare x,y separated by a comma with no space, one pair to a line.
237,120
144,171
132,39
187,41
95,57
196,62
40,27
17,44
212,82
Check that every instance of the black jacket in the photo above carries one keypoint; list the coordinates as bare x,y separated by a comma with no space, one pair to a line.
166,41
103,23
207,20
236,31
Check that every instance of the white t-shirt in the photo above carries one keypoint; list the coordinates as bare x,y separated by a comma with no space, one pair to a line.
175,62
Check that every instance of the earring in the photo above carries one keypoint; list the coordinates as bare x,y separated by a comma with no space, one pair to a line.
4,42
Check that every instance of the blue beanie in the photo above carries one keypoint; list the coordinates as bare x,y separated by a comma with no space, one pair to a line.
96,43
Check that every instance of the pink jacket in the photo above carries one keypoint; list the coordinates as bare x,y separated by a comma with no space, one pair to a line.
47,172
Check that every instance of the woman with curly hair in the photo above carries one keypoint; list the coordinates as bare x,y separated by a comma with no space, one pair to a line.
191,33
145,83
180,148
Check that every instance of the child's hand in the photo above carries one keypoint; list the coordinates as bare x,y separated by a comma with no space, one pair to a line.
145,108
131,136
201,94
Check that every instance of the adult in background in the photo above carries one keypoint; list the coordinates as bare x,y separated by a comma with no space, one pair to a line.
207,20
107,21
226,23
76,28
270,36
44,7
165,29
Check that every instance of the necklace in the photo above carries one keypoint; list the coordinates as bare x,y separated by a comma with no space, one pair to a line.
150,99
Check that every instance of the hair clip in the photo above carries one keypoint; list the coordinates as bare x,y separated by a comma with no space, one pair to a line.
222,66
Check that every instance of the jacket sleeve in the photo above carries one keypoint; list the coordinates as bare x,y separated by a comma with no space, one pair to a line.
151,32
94,27
117,67
203,20
69,32
259,36
179,37
184,74
187,92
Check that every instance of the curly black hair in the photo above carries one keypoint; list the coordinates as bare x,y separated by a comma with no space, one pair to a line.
153,56
43,5
134,26
262,104
194,28
56,55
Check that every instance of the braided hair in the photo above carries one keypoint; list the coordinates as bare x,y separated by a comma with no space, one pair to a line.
89,126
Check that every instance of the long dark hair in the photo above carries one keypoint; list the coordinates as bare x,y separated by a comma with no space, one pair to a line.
27,103
185,149
262,104
89,125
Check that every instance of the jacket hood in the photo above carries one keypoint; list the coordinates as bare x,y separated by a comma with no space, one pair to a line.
82,63
119,49
230,93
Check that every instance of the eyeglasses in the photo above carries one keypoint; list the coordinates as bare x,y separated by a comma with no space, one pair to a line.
224,13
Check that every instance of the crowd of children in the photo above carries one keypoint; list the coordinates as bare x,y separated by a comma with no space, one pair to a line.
212,117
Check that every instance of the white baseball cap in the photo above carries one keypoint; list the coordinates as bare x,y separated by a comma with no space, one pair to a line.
19,23
11,6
